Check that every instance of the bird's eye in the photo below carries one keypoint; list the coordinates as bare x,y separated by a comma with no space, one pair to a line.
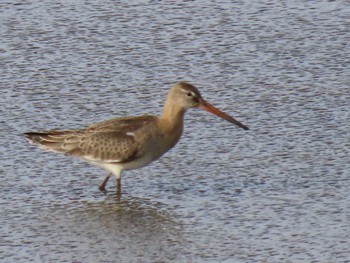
189,94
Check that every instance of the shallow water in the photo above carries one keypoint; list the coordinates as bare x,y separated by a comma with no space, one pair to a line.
277,193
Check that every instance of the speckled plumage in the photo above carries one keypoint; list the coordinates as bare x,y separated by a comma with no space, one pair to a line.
130,142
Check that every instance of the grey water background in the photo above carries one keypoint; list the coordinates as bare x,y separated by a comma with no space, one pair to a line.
277,193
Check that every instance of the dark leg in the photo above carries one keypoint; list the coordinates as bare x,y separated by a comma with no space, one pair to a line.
102,185
119,187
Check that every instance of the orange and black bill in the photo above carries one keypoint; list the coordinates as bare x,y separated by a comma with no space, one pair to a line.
210,108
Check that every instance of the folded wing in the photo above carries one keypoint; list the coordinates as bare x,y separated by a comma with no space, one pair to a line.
109,141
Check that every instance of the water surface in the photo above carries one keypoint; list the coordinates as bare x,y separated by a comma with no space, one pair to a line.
277,193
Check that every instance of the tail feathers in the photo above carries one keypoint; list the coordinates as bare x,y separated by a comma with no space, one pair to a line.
57,141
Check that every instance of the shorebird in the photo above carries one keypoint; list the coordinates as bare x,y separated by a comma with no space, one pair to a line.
129,142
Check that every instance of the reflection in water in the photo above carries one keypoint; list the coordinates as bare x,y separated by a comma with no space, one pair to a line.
113,230
117,214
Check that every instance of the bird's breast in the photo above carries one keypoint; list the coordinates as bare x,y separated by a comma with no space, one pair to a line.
163,138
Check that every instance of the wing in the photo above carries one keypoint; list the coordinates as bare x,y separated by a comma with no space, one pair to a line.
104,146
108,141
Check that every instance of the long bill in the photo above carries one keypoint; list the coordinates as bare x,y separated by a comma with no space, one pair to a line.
210,108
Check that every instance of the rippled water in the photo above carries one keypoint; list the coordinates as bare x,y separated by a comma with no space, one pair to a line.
277,193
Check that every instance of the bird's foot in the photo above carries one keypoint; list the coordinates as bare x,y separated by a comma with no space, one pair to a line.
102,189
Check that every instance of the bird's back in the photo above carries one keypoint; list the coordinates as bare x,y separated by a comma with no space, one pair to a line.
111,140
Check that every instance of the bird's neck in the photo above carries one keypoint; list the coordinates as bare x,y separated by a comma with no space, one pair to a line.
173,115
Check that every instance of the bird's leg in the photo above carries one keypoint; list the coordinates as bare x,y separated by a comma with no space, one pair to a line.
119,187
102,185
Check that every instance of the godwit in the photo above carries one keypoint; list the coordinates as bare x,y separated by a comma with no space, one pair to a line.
131,142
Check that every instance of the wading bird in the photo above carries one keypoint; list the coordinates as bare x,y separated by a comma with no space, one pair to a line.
129,142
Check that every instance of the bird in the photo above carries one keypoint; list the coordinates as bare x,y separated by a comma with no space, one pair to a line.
127,143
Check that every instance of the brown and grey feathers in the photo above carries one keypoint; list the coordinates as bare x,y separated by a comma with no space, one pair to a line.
108,141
